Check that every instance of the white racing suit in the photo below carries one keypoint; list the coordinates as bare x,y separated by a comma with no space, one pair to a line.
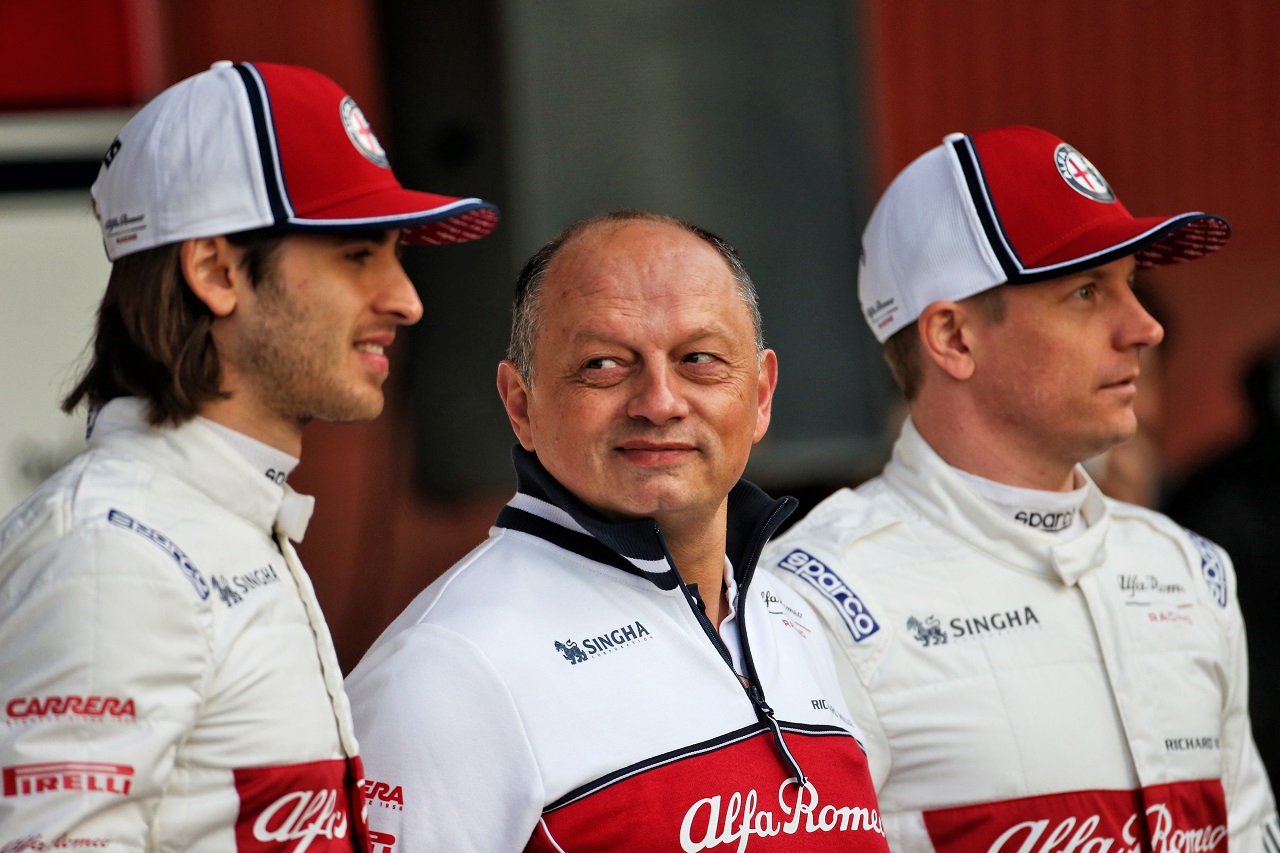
560,689
1021,693
167,681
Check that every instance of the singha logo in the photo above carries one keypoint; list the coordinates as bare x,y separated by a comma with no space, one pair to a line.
571,652
228,595
929,632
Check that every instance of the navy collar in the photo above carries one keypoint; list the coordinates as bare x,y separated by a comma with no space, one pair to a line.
544,508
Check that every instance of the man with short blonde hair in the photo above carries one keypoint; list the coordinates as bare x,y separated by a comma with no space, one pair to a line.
1036,667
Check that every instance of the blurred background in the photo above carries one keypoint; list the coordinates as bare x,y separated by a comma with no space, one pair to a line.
774,124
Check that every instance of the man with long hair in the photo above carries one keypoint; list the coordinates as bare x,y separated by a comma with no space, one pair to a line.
167,676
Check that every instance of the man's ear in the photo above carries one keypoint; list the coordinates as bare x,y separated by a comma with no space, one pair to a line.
212,272
515,399
766,384
944,329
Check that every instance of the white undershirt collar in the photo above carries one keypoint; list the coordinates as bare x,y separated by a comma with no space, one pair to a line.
1051,512
275,464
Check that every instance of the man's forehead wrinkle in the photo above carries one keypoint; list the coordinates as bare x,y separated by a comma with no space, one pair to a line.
608,269
635,295
591,332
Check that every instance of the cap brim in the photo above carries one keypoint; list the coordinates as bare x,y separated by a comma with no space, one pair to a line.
1193,235
1153,241
425,218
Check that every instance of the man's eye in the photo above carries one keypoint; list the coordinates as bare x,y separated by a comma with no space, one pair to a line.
359,255
1086,291
601,364
700,358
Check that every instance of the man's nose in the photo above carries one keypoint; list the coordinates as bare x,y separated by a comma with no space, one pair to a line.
657,396
400,297
1140,328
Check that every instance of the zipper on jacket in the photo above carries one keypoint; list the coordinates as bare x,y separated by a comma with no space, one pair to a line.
748,573
765,713
751,682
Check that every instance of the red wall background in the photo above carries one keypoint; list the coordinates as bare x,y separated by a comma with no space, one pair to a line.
1175,101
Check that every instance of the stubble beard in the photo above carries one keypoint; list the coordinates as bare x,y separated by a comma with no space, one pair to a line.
295,368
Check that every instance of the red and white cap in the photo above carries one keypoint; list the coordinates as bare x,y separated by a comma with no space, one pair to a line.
252,145
1013,205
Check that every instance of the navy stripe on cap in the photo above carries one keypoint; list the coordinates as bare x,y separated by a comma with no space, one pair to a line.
980,195
268,150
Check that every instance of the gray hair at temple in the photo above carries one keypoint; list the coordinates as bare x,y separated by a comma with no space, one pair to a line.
526,311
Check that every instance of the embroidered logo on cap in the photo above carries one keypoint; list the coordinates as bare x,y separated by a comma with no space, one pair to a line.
361,134
1081,175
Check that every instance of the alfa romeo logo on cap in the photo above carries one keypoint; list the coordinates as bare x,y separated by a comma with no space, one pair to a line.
1081,175
361,134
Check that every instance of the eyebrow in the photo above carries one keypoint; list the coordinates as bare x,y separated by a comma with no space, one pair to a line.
1096,274
378,236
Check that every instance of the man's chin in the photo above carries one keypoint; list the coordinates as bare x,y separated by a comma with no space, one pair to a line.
1109,440
352,410
637,506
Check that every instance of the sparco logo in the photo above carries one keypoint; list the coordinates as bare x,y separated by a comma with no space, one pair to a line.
87,776
94,707
1052,521
931,633
850,608
301,816
167,545
615,640
1070,834
711,822
1215,575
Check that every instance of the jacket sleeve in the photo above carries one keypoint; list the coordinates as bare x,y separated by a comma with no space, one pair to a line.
1251,808
440,733
103,654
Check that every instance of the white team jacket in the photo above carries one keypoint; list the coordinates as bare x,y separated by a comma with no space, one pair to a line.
1023,694
549,693
166,679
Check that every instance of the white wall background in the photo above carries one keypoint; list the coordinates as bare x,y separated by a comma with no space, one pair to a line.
53,270
52,273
